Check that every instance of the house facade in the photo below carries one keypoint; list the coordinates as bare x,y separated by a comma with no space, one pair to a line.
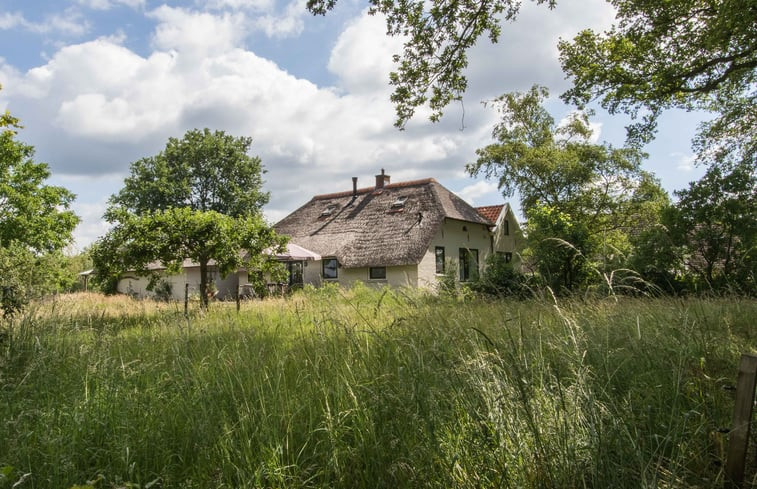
176,285
399,234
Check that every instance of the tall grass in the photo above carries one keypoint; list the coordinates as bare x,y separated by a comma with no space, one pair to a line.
363,388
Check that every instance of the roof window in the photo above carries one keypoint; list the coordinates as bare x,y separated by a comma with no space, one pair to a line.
400,202
330,208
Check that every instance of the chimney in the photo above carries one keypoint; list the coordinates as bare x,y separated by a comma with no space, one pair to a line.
354,188
382,180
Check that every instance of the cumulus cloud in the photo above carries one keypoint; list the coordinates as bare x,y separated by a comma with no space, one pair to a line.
527,49
201,33
362,56
96,106
288,23
474,193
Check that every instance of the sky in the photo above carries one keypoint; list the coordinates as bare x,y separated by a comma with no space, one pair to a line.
99,84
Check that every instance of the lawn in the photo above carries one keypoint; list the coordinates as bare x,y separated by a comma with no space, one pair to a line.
361,388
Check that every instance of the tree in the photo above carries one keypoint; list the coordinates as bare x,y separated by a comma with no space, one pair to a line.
199,199
173,235
689,54
35,222
32,214
714,223
438,34
574,192
205,171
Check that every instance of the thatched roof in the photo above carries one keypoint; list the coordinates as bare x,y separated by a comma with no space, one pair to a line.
372,227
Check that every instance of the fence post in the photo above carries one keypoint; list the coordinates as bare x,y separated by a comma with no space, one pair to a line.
186,299
238,299
738,440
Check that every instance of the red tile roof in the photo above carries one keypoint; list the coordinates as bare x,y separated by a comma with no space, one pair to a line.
490,212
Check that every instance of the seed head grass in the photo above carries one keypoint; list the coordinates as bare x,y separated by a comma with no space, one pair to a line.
333,388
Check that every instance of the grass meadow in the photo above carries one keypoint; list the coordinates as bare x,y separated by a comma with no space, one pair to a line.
377,389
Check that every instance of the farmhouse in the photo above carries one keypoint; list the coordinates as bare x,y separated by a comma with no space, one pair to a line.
400,234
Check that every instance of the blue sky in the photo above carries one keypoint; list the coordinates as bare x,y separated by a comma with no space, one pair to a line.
101,83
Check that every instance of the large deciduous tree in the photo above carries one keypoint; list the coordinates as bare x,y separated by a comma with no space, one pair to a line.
583,200
690,54
438,34
35,221
199,199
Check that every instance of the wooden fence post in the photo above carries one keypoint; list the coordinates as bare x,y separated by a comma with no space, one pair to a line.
238,298
186,299
738,440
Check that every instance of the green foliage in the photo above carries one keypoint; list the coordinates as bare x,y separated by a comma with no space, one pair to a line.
688,54
203,171
177,234
583,201
437,37
199,199
35,222
500,279
384,389
560,247
715,224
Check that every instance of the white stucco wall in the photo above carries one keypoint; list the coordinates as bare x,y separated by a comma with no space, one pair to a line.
454,235
131,284
512,242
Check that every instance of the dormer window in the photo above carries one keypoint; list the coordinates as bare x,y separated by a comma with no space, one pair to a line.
400,202
330,208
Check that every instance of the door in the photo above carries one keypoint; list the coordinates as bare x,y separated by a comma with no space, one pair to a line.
295,274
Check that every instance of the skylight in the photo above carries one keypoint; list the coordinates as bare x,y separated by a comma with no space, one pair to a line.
330,208
400,202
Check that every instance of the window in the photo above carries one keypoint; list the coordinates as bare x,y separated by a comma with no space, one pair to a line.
468,264
506,230
330,208
400,202
440,259
506,255
330,266
377,273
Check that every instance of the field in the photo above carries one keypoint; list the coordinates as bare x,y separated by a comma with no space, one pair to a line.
381,389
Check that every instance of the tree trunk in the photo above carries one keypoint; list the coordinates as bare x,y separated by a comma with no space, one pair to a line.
204,283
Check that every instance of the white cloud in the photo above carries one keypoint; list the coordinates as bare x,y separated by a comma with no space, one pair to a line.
527,49
685,162
10,20
362,56
69,23
474,193
201,33
266,5
108,4
286,24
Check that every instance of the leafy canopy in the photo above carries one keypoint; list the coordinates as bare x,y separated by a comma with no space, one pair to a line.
582,199
32,214
199,199
204,171
437,35
35,223
690,54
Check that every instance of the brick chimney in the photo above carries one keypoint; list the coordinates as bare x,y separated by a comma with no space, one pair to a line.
382,180
354,188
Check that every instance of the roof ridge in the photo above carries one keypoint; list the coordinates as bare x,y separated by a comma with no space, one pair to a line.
365,190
